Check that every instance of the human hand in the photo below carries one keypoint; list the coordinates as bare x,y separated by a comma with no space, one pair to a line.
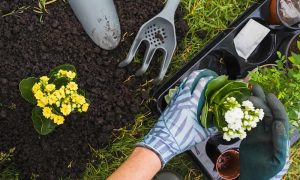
178,128
264,153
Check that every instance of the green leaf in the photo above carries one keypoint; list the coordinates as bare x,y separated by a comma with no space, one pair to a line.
279,54
295,59
170,94
204,114
215,85
230,87
42,125
67,67
81,92
219,119
25,88
206,117
298,44
61,82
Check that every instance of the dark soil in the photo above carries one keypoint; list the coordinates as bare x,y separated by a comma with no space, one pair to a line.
29,47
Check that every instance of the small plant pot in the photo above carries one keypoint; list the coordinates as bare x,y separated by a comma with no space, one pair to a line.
228,165
275,17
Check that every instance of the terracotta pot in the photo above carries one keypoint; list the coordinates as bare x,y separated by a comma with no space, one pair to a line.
228,165
273,17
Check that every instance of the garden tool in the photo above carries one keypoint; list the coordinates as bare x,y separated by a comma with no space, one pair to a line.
158,34
266,148
100,20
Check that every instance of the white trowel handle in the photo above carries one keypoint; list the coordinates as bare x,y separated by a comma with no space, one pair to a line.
169,11
100,20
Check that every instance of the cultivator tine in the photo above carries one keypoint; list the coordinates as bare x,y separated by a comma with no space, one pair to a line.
164,66
147,59
136,43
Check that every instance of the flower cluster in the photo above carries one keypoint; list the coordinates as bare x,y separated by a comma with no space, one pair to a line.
57,103
240,118
68,74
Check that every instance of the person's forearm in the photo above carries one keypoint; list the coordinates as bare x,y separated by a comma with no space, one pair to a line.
141,164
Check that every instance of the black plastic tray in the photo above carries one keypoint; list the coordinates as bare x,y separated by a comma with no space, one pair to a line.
221,56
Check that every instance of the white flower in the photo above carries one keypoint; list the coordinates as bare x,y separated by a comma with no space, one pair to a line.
226,137
243,135
248,105
253,124
234,115
261,114
240,119
235,126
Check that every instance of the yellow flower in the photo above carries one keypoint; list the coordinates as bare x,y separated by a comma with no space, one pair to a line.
85,107
57,103
59,120
73,97
71,75
44,100
44,79
50,87
53,116
39,94
47,112
62,92
72,86
36,87
41,104
57,94
80,99
62,72
66,109
52,99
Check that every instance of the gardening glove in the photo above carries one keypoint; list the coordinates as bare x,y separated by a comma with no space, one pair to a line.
178,128
264,153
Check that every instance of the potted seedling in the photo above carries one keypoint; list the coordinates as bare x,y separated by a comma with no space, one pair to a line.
284,81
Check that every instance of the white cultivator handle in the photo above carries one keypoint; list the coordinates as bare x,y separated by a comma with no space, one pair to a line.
100,20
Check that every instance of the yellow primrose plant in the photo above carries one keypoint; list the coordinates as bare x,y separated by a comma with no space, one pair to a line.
55,97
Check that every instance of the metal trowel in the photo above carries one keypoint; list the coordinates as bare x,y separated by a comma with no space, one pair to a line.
100,20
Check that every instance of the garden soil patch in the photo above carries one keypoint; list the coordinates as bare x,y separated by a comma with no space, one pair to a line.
30,46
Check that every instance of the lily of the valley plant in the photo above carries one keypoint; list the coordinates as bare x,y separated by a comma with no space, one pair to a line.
56,96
